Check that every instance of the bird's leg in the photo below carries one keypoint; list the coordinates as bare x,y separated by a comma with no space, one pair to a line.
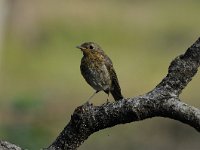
92,96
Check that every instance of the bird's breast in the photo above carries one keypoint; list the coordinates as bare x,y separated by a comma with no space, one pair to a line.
95,72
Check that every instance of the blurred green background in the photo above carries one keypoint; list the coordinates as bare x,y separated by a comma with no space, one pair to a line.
40,80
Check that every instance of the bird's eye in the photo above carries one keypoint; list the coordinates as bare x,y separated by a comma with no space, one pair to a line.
91,47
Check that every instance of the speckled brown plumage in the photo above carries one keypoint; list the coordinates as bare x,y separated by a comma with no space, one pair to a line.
97,69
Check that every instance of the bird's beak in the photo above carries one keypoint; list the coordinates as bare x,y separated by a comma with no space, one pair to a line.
79,47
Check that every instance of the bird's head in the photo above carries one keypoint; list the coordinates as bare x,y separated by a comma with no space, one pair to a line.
89,47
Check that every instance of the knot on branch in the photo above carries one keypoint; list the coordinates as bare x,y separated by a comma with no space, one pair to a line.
81,118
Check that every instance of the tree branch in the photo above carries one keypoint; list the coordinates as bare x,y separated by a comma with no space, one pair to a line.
4,145
162,101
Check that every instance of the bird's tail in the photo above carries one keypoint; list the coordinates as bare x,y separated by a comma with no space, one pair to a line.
116,90
116,95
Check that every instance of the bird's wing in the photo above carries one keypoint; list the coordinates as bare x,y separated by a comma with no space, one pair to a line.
115,88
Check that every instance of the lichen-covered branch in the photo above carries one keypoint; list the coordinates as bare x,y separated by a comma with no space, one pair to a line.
4,145
181,71
88,119
162,101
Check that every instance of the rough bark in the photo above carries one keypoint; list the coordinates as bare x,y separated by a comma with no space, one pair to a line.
4,145
162,101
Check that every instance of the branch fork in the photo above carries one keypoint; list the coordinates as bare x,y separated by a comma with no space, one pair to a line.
162,101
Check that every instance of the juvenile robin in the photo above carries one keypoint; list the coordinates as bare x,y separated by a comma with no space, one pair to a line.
97,69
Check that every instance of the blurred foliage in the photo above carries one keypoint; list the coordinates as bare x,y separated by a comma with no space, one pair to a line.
41,83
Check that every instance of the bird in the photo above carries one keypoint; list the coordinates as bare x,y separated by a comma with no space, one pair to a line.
98,71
